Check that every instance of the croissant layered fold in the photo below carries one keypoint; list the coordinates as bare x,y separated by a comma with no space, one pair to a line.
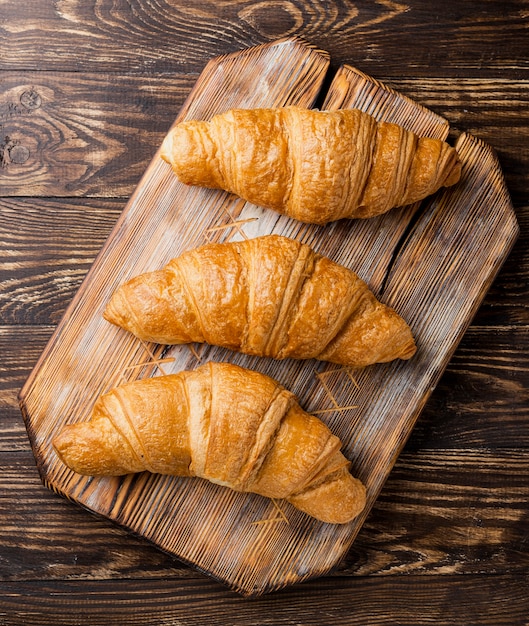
270,296
234,427
314,166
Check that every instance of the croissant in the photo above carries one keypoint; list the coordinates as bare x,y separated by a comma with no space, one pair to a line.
231,426
314,166
270,296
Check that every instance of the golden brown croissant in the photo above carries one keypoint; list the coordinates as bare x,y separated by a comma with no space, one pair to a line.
315,166
231,426
270,296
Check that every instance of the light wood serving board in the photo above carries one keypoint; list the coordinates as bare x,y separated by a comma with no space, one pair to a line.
433,263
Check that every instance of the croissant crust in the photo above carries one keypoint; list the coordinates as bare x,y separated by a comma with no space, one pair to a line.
270,296
234,427
314,166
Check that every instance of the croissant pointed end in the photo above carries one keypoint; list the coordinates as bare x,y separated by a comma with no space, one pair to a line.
454,175
408,351
400,343
75,445
166,151
62,443
336,501
114,310
95,448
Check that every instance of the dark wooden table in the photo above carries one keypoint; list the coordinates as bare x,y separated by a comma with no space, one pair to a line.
88,89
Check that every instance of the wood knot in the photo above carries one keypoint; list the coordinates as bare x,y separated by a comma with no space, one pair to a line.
18,154
30,99
11,151
273,18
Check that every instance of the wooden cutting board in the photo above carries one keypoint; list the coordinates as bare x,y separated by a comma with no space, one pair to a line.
433,262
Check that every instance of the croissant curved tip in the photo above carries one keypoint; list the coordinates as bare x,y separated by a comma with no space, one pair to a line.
92,449
62,442
112,312
408,351
66,445
167,148
336,501
454,175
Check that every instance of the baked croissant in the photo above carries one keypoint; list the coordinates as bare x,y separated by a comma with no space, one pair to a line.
231,426
314,166
270,296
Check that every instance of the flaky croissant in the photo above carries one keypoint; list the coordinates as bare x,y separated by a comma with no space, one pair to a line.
231,426
270,296
314,166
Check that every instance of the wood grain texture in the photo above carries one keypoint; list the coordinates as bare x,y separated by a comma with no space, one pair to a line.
481,398
51,270
489,503
94,549
506,302
52,267
82,135
480,402
269,558
433,559
410,600
95,135
168,35
438,513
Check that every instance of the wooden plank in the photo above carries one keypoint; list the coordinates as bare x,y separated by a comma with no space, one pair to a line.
411,600
440,512
177,37
78,227
506,302
447,512
76,134
216,529
95,134
59,541
480,402
49,268
483,396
